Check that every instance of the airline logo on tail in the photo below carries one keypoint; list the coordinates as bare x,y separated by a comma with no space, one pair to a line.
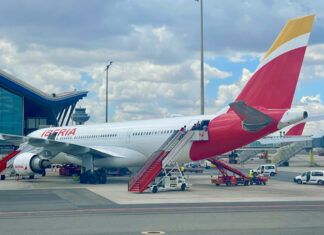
274,82
294,35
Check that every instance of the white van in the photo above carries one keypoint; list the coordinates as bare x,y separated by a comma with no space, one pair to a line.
310,177
266,170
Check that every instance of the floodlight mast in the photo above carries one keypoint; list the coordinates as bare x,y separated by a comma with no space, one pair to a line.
202,85
107,68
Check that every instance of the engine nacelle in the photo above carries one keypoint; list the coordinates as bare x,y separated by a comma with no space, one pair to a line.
30,163
292,116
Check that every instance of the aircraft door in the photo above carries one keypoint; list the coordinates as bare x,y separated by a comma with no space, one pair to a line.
192,123
129,135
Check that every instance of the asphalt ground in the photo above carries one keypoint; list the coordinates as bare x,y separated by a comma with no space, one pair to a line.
207,218
59,205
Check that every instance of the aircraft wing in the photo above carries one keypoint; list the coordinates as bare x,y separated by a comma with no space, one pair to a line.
69,148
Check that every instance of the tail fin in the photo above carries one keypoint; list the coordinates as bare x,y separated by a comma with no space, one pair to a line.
274,81
296,130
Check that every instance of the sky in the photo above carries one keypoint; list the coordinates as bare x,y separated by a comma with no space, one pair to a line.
59,46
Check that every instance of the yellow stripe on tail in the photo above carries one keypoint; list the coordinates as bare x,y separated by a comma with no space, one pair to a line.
294,28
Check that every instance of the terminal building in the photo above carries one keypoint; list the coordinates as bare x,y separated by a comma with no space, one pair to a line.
24,108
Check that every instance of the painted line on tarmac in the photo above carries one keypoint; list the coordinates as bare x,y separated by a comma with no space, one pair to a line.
159,208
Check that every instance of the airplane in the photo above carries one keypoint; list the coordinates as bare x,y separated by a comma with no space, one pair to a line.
262,107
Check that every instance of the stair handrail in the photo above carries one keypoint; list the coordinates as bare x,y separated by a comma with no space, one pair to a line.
291,150
227,167
169,140
138,174
4,160
187,136
152,158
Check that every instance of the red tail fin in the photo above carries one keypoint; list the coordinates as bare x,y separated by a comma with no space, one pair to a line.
274,82
296,130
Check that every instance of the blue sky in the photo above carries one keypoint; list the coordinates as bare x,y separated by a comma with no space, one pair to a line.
60,46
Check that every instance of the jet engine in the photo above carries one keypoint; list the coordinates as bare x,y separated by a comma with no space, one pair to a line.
292,116
30,163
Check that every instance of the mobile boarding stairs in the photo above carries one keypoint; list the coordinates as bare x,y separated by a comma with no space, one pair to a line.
161,171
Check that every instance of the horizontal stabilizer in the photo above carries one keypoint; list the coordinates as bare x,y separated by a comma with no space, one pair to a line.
252,119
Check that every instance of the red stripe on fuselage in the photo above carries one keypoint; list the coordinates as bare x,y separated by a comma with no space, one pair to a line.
226,134
273,86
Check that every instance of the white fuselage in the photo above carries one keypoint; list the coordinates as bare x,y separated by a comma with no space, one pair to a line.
144,137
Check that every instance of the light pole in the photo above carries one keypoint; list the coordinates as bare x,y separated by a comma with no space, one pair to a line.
202,85
107,68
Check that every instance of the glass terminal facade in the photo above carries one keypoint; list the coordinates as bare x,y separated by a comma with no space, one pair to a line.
11,113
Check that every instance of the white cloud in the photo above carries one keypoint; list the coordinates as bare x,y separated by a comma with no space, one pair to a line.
311,99
314,106
154,45
133,86
228,93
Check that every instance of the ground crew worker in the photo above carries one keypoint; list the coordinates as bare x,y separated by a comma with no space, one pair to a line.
251,174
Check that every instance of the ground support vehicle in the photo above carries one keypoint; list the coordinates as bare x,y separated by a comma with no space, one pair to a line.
195,170
229,180
258,180
174,180
237,178
271,170
310,177
69,170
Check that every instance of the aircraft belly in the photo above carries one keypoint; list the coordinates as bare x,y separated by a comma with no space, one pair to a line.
63,158
118,162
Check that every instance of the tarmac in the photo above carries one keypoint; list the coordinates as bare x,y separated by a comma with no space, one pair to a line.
56,204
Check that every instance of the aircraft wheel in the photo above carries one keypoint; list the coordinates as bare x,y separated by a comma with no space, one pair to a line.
102,178
93,178
83,178
3,177
155,189
183,187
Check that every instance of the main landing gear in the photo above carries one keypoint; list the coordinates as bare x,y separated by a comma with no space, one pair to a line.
95,177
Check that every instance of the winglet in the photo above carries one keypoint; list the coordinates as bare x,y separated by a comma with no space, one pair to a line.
252,119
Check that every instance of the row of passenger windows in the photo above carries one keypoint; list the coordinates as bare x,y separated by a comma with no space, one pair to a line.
96,136
115,135
154,132
89,136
